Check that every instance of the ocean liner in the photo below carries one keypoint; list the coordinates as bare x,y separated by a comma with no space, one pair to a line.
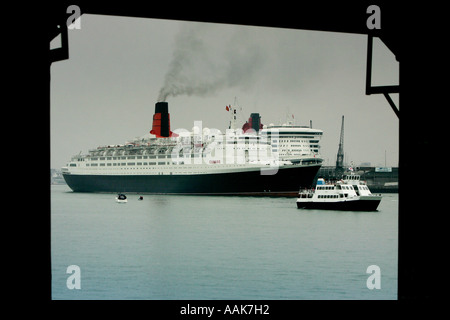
254,160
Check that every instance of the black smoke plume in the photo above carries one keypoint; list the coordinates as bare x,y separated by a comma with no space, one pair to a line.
201,69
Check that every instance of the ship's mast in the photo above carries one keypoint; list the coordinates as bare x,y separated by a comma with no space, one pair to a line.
233,117
233,110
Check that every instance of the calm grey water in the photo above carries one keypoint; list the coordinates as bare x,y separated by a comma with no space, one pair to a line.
189,247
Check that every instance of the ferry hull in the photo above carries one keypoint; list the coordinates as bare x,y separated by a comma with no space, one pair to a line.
286,182
362,204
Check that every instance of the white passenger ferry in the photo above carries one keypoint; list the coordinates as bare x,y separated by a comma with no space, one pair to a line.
349,193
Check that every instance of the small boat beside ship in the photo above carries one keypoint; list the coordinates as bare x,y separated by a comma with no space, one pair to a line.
349,193
121,198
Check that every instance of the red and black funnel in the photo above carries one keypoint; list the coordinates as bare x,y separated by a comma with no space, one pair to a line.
254,122
161,121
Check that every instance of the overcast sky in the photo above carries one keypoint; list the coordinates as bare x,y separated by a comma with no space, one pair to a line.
105,93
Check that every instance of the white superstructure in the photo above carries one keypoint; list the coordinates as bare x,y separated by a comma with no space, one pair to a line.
294,142
196,153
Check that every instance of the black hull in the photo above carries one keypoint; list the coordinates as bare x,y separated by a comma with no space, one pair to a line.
352,205
286,182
